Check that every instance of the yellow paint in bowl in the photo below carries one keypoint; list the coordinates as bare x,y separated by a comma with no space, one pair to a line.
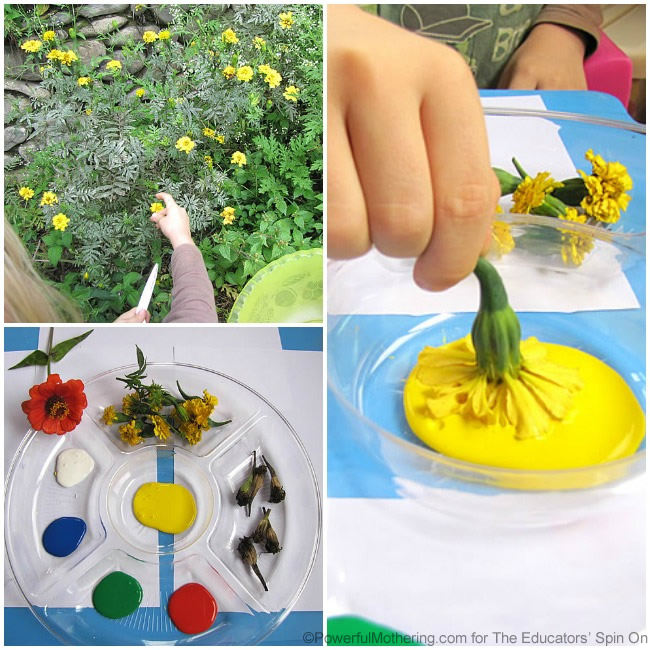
606,423
167,507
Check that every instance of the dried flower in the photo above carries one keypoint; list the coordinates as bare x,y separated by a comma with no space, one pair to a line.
249,556
264,534
277,491
251,486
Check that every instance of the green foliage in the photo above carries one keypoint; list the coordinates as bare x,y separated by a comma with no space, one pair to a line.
106,152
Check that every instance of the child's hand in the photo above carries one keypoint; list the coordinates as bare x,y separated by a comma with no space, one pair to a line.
172,221
551,58
132,317
408,163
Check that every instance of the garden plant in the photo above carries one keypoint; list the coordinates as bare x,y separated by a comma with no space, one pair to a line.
221,108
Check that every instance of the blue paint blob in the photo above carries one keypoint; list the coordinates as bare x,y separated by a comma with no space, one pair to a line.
63,536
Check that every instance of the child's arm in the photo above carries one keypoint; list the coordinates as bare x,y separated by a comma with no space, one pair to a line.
192,293
408,162
552,56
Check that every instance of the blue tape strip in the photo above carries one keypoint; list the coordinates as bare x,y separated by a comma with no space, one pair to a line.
301,338
23,628
21,338
165,472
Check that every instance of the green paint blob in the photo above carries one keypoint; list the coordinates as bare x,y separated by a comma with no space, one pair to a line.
117,595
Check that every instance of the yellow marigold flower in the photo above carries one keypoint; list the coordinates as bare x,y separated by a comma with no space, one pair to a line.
31,46
127,403
198,411
68,57
109,415
208,161
209,133
502,237
83,81
606,186
130,433
140,92
60,221
229,36
228,72
210,399
26,193
54,55
185,144
156,207
575,245
160,427
86,276
542,392
264,68
192,432
114,65
273,78
149,36
164,35
49,198
211,52
49,35
531,192
220,139
291,93
286,20
238,158
139,7
228,215
245,73
259,42
89,111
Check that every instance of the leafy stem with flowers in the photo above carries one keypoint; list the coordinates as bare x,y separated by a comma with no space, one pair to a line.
152,411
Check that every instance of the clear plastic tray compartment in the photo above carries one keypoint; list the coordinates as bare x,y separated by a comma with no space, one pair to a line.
206,553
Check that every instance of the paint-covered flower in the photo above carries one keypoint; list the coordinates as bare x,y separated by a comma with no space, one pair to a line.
55,407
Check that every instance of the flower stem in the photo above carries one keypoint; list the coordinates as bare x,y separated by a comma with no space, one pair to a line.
49,351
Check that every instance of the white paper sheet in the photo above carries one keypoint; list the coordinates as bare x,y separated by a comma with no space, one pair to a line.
375,284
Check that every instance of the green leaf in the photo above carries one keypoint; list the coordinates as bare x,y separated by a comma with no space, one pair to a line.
130,278
66,239
218,424
54,254
36,358
61,349
141,359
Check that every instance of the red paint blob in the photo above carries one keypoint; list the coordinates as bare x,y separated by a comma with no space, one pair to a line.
192,608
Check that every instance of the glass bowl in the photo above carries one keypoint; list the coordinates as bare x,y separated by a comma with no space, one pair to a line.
59,590
373,344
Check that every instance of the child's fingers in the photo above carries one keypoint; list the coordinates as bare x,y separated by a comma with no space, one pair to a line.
167,198
465,189
392,163
347,225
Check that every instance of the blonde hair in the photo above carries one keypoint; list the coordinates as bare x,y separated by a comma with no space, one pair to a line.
28,298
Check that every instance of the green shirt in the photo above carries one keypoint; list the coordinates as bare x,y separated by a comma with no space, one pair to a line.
485,35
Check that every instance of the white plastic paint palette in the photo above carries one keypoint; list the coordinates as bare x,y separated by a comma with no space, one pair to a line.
59,590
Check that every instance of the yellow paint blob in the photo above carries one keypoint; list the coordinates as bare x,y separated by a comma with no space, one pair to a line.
167,507
604,424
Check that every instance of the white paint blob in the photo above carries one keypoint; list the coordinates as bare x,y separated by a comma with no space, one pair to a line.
72,467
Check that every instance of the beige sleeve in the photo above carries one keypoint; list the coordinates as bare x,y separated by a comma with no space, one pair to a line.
583,18
192,293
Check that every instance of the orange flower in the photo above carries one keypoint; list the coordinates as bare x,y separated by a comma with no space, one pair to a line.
55,407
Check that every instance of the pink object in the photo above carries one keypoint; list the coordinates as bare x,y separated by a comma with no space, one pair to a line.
609,70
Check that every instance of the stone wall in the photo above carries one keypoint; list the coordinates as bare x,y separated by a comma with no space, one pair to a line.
116,23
